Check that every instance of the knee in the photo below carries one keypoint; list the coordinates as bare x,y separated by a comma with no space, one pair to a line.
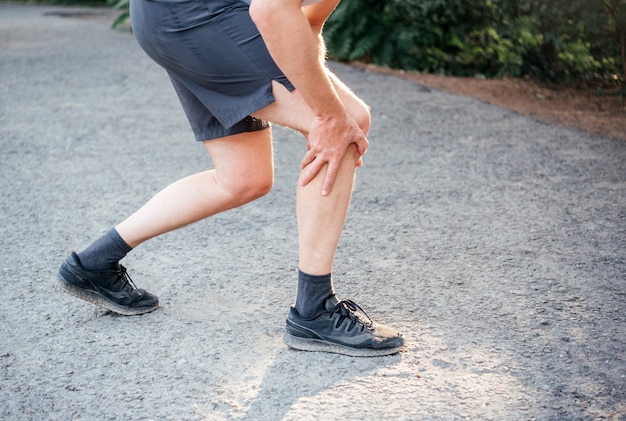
253,188
261,187
246,187
361,115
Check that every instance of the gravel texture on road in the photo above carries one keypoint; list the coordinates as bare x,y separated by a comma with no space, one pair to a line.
496,243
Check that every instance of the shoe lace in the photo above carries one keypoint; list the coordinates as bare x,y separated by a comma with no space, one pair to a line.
124,278
348,309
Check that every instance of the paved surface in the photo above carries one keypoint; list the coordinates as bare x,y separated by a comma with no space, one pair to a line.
494,242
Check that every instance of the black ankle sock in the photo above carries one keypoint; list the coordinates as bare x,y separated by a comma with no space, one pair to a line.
105,252
312,293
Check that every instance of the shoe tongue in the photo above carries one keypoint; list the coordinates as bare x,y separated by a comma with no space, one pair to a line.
331,302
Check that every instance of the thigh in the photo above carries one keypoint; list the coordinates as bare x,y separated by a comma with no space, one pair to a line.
291,110
242,157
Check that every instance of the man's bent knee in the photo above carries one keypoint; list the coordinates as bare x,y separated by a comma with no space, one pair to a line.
247,189
361,115
254,189
364,121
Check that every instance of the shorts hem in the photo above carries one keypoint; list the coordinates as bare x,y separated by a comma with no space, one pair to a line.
248,124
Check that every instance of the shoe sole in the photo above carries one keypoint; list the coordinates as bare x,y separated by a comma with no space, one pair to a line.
316,345
100,300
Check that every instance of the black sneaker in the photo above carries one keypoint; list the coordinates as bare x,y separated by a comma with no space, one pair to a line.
113,289
344,328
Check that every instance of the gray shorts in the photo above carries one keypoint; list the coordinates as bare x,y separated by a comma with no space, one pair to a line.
216,60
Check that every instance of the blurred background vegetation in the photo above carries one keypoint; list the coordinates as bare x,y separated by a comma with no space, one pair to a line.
582,41
557,40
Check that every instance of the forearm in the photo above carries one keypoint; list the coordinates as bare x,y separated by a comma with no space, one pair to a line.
317,13
295,48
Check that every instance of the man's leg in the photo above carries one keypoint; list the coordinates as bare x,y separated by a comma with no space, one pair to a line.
318,246
243,171
319,321
320,218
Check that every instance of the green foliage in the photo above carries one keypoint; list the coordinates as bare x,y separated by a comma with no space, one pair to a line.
120,5
557,39
576,57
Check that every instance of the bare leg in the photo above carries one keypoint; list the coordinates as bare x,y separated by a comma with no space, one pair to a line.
244,171
320,218
318,320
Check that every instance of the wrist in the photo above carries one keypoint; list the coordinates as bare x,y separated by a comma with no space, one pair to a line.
329,107
331,114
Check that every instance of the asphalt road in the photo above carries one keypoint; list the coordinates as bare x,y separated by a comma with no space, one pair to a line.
496,243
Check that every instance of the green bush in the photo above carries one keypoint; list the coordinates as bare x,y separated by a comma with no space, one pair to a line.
120,5
558,40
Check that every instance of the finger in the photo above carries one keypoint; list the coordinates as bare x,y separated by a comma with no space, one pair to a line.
362,146
307,159
329,180
312,169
